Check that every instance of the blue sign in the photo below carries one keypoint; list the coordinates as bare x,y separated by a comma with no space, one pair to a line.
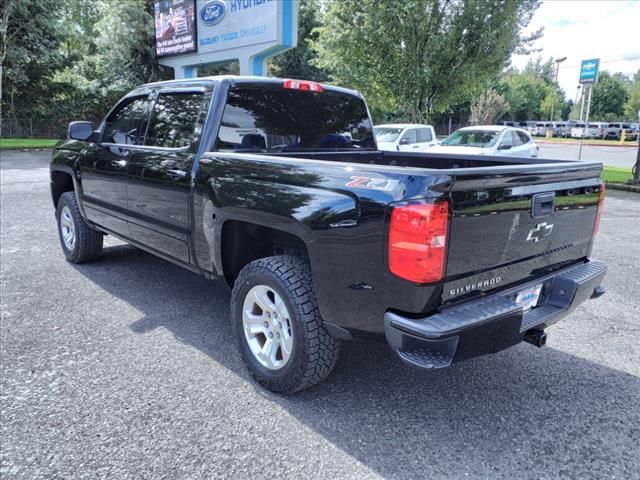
589,70
213,12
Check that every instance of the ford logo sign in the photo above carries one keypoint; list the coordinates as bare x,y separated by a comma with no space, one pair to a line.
213,12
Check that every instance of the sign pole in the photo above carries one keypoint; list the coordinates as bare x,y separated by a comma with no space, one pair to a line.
636,167
586,122
588,75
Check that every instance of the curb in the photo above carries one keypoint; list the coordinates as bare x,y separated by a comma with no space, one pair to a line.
623,187
25,149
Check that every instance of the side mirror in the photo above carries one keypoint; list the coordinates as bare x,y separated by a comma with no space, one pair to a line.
504,147
404,141
80,131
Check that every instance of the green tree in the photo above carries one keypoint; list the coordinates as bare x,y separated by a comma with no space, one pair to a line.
299,62
488,108
609,97
632,105
420,55
566,109
107,58
526,95
29,53
540,69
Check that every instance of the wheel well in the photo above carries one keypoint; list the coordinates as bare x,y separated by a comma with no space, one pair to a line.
243,242
60,182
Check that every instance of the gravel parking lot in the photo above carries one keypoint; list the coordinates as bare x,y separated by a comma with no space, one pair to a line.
126,368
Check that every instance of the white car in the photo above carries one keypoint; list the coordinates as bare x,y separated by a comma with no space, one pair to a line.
489,140
405,137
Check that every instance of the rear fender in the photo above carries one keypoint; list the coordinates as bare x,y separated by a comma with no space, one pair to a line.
297,210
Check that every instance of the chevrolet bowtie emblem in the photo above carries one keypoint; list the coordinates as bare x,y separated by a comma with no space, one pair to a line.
540,231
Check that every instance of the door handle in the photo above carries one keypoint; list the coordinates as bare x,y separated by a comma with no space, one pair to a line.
176,174
118,163
416,146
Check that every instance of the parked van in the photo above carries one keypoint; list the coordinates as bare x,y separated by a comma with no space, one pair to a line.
559,129
578,130
540,129
614,130
529,126
597,129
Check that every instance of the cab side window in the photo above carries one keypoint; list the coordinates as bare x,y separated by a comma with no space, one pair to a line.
409,137
507,139
524,138
424,135
516,140
175,120
127,124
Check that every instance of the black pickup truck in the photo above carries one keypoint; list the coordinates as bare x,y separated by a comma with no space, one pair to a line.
277,187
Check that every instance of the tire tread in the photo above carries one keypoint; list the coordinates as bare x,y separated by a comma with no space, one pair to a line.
89,242
321,349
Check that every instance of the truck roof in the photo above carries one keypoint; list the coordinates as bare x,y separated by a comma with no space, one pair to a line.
249,79
402,125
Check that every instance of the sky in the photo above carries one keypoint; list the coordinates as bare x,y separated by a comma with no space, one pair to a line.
585,29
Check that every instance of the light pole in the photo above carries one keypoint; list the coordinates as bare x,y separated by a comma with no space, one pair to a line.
577,94
553,102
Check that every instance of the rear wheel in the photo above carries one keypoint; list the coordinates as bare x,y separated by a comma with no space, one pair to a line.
80,243
278,327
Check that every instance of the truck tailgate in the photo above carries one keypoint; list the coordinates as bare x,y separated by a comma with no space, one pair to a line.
509,225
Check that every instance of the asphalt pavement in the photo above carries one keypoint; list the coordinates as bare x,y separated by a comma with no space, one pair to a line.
126,368
613,156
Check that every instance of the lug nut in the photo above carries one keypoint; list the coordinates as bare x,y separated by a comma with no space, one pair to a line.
266,324
268,315
270,334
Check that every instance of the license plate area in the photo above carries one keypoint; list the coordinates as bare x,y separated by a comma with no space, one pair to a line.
529,297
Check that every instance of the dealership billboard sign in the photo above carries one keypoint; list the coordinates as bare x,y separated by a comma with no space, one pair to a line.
589,70
195,32
175,27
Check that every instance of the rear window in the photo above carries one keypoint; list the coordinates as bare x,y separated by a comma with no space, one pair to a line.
174,118
424,135
279,119
472,138
387,134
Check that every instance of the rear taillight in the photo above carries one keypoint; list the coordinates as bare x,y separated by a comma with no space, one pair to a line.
418,241
596,225
303,85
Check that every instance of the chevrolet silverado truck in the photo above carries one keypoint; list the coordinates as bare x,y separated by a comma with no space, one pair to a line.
276,187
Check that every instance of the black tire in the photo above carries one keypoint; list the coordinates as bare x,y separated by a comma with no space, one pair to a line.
315,352
88,242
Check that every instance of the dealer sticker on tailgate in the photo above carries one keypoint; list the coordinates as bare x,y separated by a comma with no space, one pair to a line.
529,297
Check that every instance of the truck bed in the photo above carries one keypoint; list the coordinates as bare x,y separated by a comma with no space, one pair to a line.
341,202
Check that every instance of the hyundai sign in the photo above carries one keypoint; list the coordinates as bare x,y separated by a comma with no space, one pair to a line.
247,31
589,70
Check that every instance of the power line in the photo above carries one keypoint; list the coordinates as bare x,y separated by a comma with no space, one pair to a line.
616,60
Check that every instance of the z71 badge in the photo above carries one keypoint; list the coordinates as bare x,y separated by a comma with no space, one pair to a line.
372,183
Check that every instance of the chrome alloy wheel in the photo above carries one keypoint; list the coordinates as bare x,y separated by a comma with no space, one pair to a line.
267,327
67,228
